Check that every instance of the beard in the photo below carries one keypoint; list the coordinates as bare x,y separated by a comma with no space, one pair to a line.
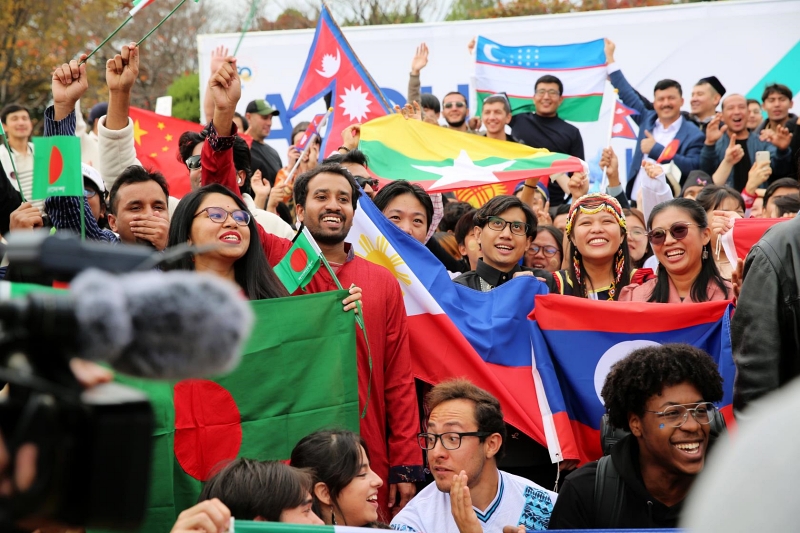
458,123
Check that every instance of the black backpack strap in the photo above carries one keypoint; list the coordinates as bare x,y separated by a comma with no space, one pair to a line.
609,494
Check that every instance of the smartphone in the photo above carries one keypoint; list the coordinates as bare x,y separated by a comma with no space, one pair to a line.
762,155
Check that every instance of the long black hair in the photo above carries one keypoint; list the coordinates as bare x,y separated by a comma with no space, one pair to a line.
648,251
252,272
708,271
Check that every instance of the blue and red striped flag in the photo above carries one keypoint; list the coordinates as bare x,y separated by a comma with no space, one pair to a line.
574,350
456,331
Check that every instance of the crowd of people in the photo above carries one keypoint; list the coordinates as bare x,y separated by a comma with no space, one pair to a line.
652,239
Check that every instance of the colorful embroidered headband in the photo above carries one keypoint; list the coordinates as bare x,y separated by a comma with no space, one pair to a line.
593,203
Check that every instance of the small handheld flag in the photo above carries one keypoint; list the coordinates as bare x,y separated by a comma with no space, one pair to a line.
669,152
621,128
313,129
56,167
300,263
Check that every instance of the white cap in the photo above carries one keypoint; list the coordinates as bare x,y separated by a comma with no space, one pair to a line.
94,175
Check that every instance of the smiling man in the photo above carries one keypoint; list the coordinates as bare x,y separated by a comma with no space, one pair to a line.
465,437
662,395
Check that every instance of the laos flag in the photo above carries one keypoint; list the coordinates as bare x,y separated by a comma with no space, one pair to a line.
576,341
458,332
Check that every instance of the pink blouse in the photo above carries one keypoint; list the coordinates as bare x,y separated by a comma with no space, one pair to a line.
641,293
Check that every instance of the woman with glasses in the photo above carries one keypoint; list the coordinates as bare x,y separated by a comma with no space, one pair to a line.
345,488
638,248
679,235
217,220
546,252
598,258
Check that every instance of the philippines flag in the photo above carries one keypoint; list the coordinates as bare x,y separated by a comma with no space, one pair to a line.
621,128
333,67
574,350
456,331
744,234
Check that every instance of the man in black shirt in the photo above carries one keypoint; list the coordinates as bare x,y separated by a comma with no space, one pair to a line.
263,157
543,129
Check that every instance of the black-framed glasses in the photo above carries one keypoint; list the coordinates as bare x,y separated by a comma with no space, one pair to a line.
459,105
220,215
450,440
193,163
499,224
678,230
547,251
89,193
363,182
677,415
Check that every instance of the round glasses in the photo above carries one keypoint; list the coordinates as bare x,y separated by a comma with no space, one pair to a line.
193,163
678,230
499,224
89,193
450,440
363,182
548,251
677,415
219,215
550,92
637,233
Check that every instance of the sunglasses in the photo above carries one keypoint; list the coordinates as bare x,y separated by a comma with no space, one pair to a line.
219,215
678,230
193,163
363,182
459,105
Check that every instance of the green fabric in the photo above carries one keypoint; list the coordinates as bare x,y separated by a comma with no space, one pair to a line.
9,290
56,167
573,108
300,263
298,375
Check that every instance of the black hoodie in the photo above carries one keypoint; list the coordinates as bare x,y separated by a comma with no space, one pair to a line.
575,505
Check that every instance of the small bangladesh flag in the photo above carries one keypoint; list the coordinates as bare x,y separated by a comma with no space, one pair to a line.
441,160
56,167
300,263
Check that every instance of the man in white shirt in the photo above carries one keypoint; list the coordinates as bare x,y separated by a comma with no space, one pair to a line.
18,127
470,495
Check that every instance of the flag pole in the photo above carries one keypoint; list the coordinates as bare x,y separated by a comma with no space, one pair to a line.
366,72
113,33
83,217
322,123
253,8
174,9
604,179
11,157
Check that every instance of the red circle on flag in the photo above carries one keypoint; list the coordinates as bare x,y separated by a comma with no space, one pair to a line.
208,426
56,165
299,260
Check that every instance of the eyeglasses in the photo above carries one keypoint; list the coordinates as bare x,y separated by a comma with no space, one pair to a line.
677,415
637,233
459,105
548,92
678,230
362,182
450,440
219,215
499,224
548,251
193,163
89,193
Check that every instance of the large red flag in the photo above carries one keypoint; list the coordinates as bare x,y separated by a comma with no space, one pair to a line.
333,67
744,234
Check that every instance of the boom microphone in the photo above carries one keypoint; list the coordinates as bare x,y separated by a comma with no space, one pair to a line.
172,325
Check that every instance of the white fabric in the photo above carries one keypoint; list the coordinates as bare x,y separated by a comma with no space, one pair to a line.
117,151
518,501
24,165
654,191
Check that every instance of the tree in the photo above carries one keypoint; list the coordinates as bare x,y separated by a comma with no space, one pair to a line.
185,93
374,12
463,9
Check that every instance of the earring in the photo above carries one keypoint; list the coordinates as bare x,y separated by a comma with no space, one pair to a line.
333,517
705,253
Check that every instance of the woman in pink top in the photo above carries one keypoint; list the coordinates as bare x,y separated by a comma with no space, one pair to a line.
679,235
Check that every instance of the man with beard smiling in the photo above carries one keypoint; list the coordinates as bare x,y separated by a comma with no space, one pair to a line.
454,109
662,395
731,156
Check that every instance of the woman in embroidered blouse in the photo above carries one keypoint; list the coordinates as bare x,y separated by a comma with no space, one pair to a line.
680,236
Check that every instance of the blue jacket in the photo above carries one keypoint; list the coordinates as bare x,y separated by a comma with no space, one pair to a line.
689,136
712,156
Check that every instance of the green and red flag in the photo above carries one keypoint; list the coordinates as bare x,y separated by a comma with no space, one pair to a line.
300,263
281,391
56,167
138,5
441,160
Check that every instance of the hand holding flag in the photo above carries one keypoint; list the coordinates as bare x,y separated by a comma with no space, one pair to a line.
123,70
68,85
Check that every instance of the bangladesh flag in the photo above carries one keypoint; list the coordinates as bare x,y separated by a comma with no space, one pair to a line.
281,391
246,526
441,160
56,167
300,263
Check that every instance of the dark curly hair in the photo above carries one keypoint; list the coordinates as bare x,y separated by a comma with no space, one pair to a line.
645,373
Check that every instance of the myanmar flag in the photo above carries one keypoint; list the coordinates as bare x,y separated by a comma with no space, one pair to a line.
282,390
513,70
56,167
441,160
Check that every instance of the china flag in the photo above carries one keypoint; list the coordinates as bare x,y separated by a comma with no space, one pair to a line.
156,142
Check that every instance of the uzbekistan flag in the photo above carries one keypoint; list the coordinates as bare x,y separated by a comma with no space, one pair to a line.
744,234
581,67
455,331
441,160
574,351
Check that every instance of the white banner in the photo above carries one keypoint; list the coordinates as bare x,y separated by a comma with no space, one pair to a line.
745,44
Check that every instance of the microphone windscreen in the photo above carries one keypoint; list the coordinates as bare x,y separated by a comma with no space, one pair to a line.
182,324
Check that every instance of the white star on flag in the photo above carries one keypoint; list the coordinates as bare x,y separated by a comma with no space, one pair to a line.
355,103
464,171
